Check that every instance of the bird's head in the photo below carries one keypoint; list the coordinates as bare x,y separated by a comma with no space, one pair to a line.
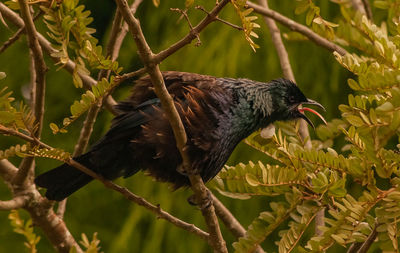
288,102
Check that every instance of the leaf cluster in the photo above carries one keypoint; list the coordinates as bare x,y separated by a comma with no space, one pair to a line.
25,229
248,23
358,150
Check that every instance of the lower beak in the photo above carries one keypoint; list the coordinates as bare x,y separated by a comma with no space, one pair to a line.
303,116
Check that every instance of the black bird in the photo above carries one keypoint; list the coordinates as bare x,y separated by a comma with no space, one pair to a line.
217,114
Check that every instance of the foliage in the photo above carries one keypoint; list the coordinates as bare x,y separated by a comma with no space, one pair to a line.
298,184
25,229
88,99
314,19
67,23
247,21
19,119
90,246
361,147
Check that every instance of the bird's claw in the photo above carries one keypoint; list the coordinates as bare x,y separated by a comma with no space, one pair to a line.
203,204
181,170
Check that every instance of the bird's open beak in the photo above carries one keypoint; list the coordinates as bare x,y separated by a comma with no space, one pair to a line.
302,109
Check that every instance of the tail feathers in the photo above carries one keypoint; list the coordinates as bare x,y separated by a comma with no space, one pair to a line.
64,180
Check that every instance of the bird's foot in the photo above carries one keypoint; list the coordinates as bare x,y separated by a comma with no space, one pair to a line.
203,203
181,170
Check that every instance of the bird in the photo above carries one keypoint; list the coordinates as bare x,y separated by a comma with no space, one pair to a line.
217,114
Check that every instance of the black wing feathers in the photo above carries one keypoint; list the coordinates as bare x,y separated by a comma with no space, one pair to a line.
141,136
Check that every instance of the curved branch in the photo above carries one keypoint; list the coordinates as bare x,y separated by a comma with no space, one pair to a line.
294,26
150,62
15,203
141,201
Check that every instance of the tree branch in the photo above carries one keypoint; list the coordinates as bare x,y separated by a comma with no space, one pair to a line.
141,201
367,8
359,6
9,170
41,212
40,68
12,39
278,43
150,62
211,16
363,247
230,221
16,35
294,26
23,136
15,203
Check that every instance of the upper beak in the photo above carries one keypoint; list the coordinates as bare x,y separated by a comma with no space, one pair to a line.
312,102
303,116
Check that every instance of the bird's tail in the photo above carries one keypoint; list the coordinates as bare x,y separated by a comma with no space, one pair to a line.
64,180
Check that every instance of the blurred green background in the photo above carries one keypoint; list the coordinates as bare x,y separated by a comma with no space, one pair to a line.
121,225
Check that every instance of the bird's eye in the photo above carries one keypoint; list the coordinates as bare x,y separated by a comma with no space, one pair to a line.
292,99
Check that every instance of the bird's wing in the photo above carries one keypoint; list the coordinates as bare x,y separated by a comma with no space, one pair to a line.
174,81
127,125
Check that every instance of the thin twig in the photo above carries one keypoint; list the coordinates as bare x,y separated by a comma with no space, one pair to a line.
368,10
17,35
294,26
124,30
363,247
199,7
141,201
150,61
12,39
129,75
10,131
192,35
15,203
278,43
184,14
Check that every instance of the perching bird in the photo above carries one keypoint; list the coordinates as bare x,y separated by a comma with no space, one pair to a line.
217,114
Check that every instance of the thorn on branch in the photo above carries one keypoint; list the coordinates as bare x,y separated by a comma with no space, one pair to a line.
219,19
184,14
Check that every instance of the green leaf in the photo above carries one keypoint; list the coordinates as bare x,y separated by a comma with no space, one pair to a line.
252,180
310,16
387,106
353,84
54,128
355,120
301,7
